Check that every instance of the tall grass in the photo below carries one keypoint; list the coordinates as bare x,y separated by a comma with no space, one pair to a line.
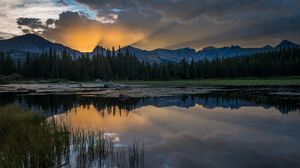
28,140
94,149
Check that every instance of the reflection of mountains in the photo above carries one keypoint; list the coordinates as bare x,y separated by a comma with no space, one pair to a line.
226,100
53,104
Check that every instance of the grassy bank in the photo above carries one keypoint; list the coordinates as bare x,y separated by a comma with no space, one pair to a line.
279,81
29,140
274,81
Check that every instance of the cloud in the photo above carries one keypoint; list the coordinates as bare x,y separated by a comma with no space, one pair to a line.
4,35
76,30
196,20
196,23
10,10
130,14
187,10
30,25
271,31
62,2
196,150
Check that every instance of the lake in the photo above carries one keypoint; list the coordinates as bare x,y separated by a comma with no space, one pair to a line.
221,129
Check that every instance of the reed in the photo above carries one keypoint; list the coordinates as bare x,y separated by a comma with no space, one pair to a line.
28,140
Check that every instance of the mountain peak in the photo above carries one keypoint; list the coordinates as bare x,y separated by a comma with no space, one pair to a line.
186,49
131,49
286,44
208,48
285,41
30,37
33,43
98,49
268,47
235,47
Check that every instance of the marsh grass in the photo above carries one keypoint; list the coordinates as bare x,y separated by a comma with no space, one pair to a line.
95,149
275,81
28,140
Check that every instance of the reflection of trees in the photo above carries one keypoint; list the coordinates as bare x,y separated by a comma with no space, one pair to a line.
53,104
113,106
50,104
284,104
7,98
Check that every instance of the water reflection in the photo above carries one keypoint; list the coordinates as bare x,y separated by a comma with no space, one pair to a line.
210,130
88,117
53,104
197,136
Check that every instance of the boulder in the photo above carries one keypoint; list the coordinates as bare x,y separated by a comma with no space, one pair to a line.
123,97
110,85
98,81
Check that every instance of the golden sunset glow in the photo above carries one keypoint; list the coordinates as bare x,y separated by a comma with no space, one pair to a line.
85,39
91,119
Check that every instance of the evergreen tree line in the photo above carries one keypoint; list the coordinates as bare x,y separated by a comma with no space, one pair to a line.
125,66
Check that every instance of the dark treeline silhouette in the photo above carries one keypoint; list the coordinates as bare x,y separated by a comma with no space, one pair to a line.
124,65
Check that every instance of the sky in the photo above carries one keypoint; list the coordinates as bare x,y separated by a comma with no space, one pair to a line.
151,24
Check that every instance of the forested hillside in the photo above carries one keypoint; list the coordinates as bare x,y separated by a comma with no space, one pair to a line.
124,65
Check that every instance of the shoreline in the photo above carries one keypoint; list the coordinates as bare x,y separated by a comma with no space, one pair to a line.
146,88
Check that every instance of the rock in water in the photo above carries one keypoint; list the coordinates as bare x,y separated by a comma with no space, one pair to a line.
123,97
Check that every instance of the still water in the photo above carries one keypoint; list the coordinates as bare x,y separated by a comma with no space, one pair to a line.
210,130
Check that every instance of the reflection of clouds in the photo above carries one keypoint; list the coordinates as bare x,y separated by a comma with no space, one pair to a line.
201,137
90,118
193,150
113,137
246,137
120,129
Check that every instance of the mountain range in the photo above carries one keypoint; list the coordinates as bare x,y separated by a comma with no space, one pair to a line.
19,46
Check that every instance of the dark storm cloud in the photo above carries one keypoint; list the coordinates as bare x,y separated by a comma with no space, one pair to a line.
35,25
221,9
130,14
83,32
279,28
70,18
30,22
66,21
180,23
31,25
50,21
182,10
247,18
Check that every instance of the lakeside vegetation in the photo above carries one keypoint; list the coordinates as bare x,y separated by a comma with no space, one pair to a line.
28,140
274,81
269,81
119,65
